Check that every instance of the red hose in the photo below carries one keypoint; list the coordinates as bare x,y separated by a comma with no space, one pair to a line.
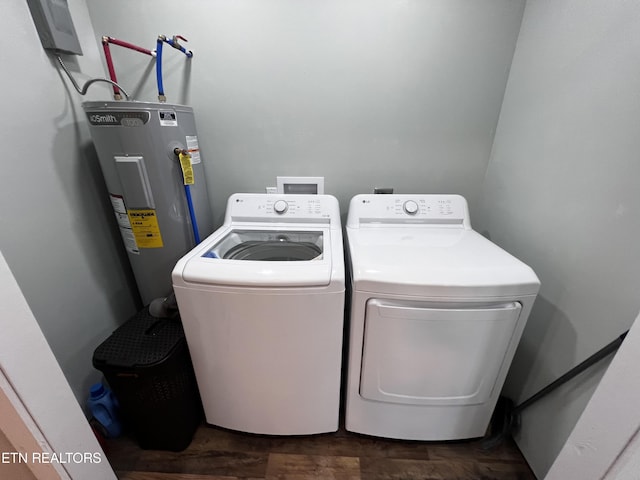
107,54
112,71
122,43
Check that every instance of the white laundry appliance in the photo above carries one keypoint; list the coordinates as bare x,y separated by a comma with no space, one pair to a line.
437,311
262,303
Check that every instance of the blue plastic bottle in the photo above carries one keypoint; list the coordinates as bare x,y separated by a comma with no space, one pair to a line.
104,406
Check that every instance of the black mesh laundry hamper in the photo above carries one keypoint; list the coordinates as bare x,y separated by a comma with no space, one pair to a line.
147,364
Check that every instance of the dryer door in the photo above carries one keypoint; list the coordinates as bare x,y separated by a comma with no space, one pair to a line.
426,354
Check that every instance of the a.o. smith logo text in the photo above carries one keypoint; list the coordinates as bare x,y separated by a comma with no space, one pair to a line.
126,119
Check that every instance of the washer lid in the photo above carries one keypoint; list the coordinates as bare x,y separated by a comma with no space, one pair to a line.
435,262
268,257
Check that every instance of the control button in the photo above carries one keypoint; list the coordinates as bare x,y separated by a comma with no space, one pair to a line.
280,206
410,207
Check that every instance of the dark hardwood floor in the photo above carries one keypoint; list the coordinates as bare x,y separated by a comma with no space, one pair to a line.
218,454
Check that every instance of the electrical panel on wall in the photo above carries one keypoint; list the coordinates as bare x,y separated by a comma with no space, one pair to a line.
55,26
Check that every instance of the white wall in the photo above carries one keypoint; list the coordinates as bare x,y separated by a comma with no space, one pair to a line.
367,93
605,443
57,230
33,383
561,192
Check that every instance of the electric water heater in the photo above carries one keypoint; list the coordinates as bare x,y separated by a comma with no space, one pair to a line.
139,146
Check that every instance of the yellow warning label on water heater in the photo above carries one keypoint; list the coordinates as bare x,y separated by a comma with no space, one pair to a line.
144,224
187,169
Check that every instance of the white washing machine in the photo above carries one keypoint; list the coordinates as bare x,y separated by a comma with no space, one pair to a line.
437,311
262,303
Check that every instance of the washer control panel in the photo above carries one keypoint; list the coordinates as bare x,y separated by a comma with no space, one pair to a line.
425,209
283,208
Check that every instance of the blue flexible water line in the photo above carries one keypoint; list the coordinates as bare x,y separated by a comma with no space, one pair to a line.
192,214
159,67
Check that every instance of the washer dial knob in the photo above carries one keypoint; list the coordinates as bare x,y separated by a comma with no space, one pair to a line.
280,207
410,207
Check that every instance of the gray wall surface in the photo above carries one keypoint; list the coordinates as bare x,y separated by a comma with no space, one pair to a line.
561,192
57,228
363,92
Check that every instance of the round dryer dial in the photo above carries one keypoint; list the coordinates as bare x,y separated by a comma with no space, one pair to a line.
410,207
280,206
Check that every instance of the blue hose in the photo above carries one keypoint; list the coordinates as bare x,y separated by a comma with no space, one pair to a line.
192,214
173,42
159,68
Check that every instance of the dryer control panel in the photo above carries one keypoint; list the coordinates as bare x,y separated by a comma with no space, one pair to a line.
283,208
446,210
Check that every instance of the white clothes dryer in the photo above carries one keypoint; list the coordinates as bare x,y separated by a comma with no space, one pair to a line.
262,303
437,311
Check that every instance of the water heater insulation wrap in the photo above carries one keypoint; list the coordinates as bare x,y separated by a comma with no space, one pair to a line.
135,142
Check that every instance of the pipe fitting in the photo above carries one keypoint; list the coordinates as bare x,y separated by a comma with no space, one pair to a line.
177,151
